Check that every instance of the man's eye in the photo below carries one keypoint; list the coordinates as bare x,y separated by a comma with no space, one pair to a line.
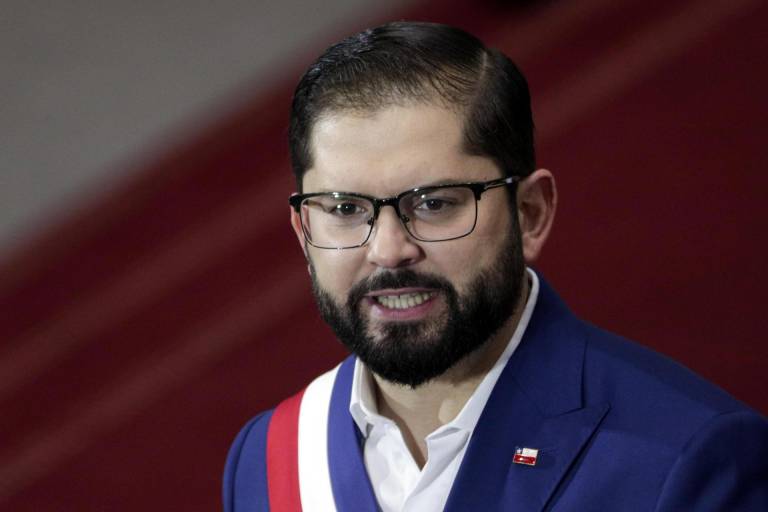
346,209
433,204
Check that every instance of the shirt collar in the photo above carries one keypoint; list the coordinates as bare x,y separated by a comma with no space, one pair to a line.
362,402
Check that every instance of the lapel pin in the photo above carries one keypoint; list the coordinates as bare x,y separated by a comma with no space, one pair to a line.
525,456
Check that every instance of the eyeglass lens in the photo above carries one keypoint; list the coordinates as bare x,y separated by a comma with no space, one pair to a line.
434,214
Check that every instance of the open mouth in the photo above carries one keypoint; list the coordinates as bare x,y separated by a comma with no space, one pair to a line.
404,300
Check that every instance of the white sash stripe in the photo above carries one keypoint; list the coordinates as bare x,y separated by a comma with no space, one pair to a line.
314,477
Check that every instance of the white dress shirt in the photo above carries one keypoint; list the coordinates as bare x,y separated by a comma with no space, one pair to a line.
399,484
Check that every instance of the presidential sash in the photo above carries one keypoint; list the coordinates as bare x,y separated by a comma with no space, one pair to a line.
314,451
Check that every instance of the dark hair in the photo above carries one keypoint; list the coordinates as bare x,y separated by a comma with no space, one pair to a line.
409,61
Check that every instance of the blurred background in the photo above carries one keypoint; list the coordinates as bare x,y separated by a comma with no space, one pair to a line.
153,298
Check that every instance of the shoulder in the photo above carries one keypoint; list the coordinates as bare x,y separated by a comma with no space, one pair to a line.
245,472
722,466
635,378
253,435
246,465
708,450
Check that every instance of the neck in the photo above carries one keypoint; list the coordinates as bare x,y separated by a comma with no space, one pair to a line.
420,411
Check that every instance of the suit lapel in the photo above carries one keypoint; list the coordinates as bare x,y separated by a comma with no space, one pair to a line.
536,403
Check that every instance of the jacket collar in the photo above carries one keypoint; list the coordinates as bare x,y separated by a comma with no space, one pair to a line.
549,362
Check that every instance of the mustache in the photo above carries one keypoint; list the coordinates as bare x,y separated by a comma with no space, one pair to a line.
398,279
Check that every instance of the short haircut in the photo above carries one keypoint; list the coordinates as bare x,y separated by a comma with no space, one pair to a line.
403,62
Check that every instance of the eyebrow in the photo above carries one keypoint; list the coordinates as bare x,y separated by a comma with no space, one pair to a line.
429,184
441,182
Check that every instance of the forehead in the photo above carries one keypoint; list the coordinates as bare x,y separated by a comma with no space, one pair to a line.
391,149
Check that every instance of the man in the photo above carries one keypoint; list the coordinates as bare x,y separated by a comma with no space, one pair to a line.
471,385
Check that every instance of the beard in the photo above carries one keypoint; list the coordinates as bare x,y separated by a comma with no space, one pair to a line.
412,353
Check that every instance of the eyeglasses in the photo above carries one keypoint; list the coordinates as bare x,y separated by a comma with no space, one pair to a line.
345,220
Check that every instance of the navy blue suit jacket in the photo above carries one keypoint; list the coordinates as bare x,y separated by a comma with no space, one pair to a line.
617,426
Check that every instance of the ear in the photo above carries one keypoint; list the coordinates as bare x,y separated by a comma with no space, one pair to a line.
297,229
536,205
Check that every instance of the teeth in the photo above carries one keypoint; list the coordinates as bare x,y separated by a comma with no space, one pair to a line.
407,300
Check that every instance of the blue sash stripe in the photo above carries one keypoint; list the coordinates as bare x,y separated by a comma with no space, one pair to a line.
352,489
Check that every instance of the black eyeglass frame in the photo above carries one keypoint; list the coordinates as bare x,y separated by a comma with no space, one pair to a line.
477,189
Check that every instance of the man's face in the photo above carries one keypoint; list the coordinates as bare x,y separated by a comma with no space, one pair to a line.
461,290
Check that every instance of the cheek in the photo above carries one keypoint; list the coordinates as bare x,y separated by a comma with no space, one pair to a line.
455,260
460,261
336,271
492,231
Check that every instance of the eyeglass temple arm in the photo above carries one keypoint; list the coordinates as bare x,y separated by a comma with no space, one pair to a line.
479,188
510,180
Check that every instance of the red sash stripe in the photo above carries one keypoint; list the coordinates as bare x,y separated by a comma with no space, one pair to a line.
283,456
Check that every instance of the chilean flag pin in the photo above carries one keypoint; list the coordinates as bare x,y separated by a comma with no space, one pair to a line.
525,456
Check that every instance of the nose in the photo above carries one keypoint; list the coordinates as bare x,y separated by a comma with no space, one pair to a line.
390,245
